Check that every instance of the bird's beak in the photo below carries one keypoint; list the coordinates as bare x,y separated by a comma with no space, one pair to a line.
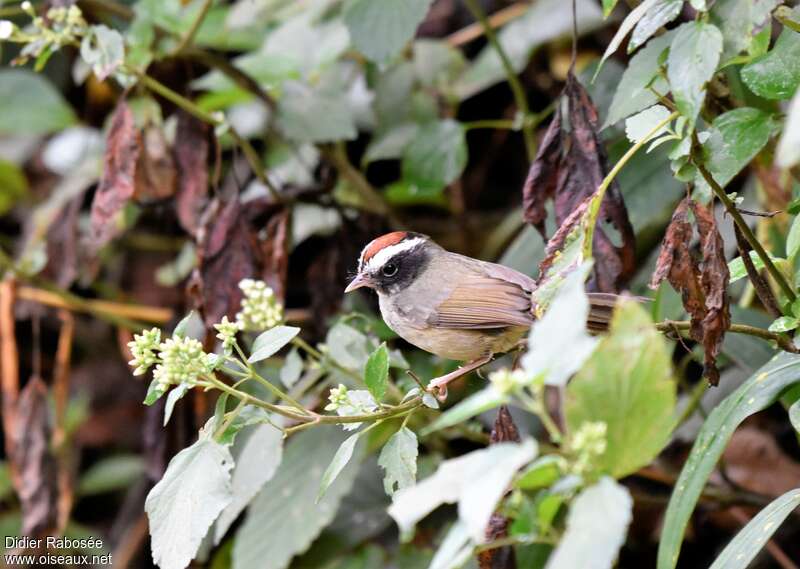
358,282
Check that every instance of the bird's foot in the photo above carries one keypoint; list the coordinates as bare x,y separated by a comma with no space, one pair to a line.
438,385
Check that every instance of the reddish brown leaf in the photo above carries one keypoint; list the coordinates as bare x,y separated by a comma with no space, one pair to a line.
557,242
117,184
569,167
33,468
703,284
62,245
156,176
504,429
275,252
191,155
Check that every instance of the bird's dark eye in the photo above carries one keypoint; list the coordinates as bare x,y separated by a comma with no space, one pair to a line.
389,270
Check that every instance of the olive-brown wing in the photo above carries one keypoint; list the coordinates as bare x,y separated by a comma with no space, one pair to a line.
483,301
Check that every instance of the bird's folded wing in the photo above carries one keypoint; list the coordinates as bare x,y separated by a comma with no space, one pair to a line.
484,302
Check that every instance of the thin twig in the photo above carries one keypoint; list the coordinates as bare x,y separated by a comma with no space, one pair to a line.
760,285
783,341
496,20
188,37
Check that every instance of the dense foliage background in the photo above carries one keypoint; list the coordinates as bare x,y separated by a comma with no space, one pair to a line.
229,160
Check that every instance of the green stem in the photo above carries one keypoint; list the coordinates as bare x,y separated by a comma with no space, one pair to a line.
513,81
272,388
783,341
694,402
740,222
188,37
231,418
501,124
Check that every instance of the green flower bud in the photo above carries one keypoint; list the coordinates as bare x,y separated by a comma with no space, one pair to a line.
260,308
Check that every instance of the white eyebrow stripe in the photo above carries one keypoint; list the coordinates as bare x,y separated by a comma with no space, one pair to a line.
380,258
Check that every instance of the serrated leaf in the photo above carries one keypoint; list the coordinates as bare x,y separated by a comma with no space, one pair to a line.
292,368
268,343
788,151
640,125
30,104
399,459
381,28
659,15
376,372
692,61
744,547
306,114
181,507
436,156
597,524
340,460
755,394
278,525
776,75
257,455
626,384
739,22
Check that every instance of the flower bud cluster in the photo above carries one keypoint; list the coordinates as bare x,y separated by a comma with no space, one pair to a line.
338,397
260,307
506,381
227,333
143,349
587,445
59,27
179,359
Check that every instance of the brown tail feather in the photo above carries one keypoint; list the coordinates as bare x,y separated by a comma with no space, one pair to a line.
601,308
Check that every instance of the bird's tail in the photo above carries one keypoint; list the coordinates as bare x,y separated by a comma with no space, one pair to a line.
601,307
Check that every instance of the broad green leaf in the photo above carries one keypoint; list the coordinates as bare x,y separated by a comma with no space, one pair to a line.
183,325
348,347
390,144
737,270
541,473
257,453
399,459
788,151
475,404
522,36
739,21
195,488
268,343
776,75
436,156
744,547
278,525
292,368
173,397
757,393
626,384
308,114
625,28
381,28
116,472
640,79
477,481
793,239
340,460
29,104
376,372
597,524
659,15
14,184
794,415
692,61
784,324
437,63
640,125
556,347
268,70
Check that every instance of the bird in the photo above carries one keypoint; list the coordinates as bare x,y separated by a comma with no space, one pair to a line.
451,305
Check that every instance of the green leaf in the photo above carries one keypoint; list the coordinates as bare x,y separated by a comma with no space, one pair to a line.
278,525
788,151
541,474
103,49
381,28
154,393
755,394
794,415
634,91
744,547
116,472
174,396
180,327
436,156
693,58
736,137
257,454
625,27
776,75
29,104
390,144
793,239
626,384
348,347
659,15
340,460
399,459
784,324
477,481
14,184
195,488
597,524
475,404
739,22
308,114
737,270
269,342
640,125
376,372
292,368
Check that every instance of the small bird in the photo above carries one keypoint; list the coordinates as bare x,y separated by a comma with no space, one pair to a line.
451,305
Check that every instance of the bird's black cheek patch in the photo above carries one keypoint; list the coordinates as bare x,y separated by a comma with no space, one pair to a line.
410,264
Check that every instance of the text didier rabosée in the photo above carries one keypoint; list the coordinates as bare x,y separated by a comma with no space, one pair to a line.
52,542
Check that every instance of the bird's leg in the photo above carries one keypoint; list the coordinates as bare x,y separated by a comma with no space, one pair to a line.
440,383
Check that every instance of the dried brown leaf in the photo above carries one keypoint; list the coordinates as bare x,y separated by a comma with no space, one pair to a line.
117,185
275,252
156,174
504,429
569,167
62,245
191,155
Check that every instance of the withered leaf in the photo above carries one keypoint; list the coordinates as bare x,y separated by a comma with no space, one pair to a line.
117,184
62,245
275,252
33,467
156,176
191,155
569,166
703,285
504,429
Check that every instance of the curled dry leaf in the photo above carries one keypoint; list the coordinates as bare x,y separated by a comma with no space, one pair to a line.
703,285
117,184
191,156
33,467
569,166
156,175
275,252
62,245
